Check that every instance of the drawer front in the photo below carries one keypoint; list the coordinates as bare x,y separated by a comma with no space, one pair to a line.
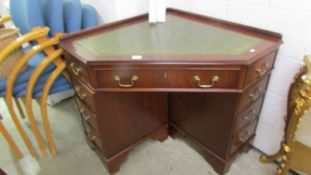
260,68
242,137
130,78
87,115
250,115
253,94
77,69
91,136
84,94
203,79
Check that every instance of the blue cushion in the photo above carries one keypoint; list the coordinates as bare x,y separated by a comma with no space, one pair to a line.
35,60
55,89
22,86
60,81
89,16
72,15
53,15
24,76
26,14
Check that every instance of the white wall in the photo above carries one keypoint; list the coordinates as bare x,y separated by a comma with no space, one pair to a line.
289,17
4,4
114,10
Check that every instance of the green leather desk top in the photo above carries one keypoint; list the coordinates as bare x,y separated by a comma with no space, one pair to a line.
177,36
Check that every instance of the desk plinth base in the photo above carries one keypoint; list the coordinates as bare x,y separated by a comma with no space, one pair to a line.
220,165
113,163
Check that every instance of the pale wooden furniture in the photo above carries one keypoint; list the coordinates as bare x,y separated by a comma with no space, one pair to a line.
47,45
294,154
10,140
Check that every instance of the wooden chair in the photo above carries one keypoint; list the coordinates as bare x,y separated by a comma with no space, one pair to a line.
293,154
9,93
10,140
3,20
53,56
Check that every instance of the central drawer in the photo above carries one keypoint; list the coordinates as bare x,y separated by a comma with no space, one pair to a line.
130,78
203,78
168,77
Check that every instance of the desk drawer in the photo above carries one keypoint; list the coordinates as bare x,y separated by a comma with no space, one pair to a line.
203,79
260,68
76,68
92,136
130,78
250,115
252,94
242,137
87,115
84,93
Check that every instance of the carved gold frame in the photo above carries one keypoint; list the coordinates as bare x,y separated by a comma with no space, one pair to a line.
299,101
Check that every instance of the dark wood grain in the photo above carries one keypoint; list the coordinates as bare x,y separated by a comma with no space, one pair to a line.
84,93
264,64
87,115
250,115
165,99
208,117
127,117
253,93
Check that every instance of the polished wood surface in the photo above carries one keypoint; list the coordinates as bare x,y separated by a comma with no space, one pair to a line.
130,118
268,44
87,115
208,121
182,85
253,94
250,115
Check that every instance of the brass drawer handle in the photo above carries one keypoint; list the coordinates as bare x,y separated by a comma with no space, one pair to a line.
85,115
250,116
215,79
74,69
263,71
245,136
133,80
81,94
254,96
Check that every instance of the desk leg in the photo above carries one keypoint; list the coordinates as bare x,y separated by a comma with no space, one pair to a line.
114,163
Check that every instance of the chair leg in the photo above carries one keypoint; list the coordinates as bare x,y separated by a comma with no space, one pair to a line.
20,127
20,108
35,128
10,141
29,91
43,105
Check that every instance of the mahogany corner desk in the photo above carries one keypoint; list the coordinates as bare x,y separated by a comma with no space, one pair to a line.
197,76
